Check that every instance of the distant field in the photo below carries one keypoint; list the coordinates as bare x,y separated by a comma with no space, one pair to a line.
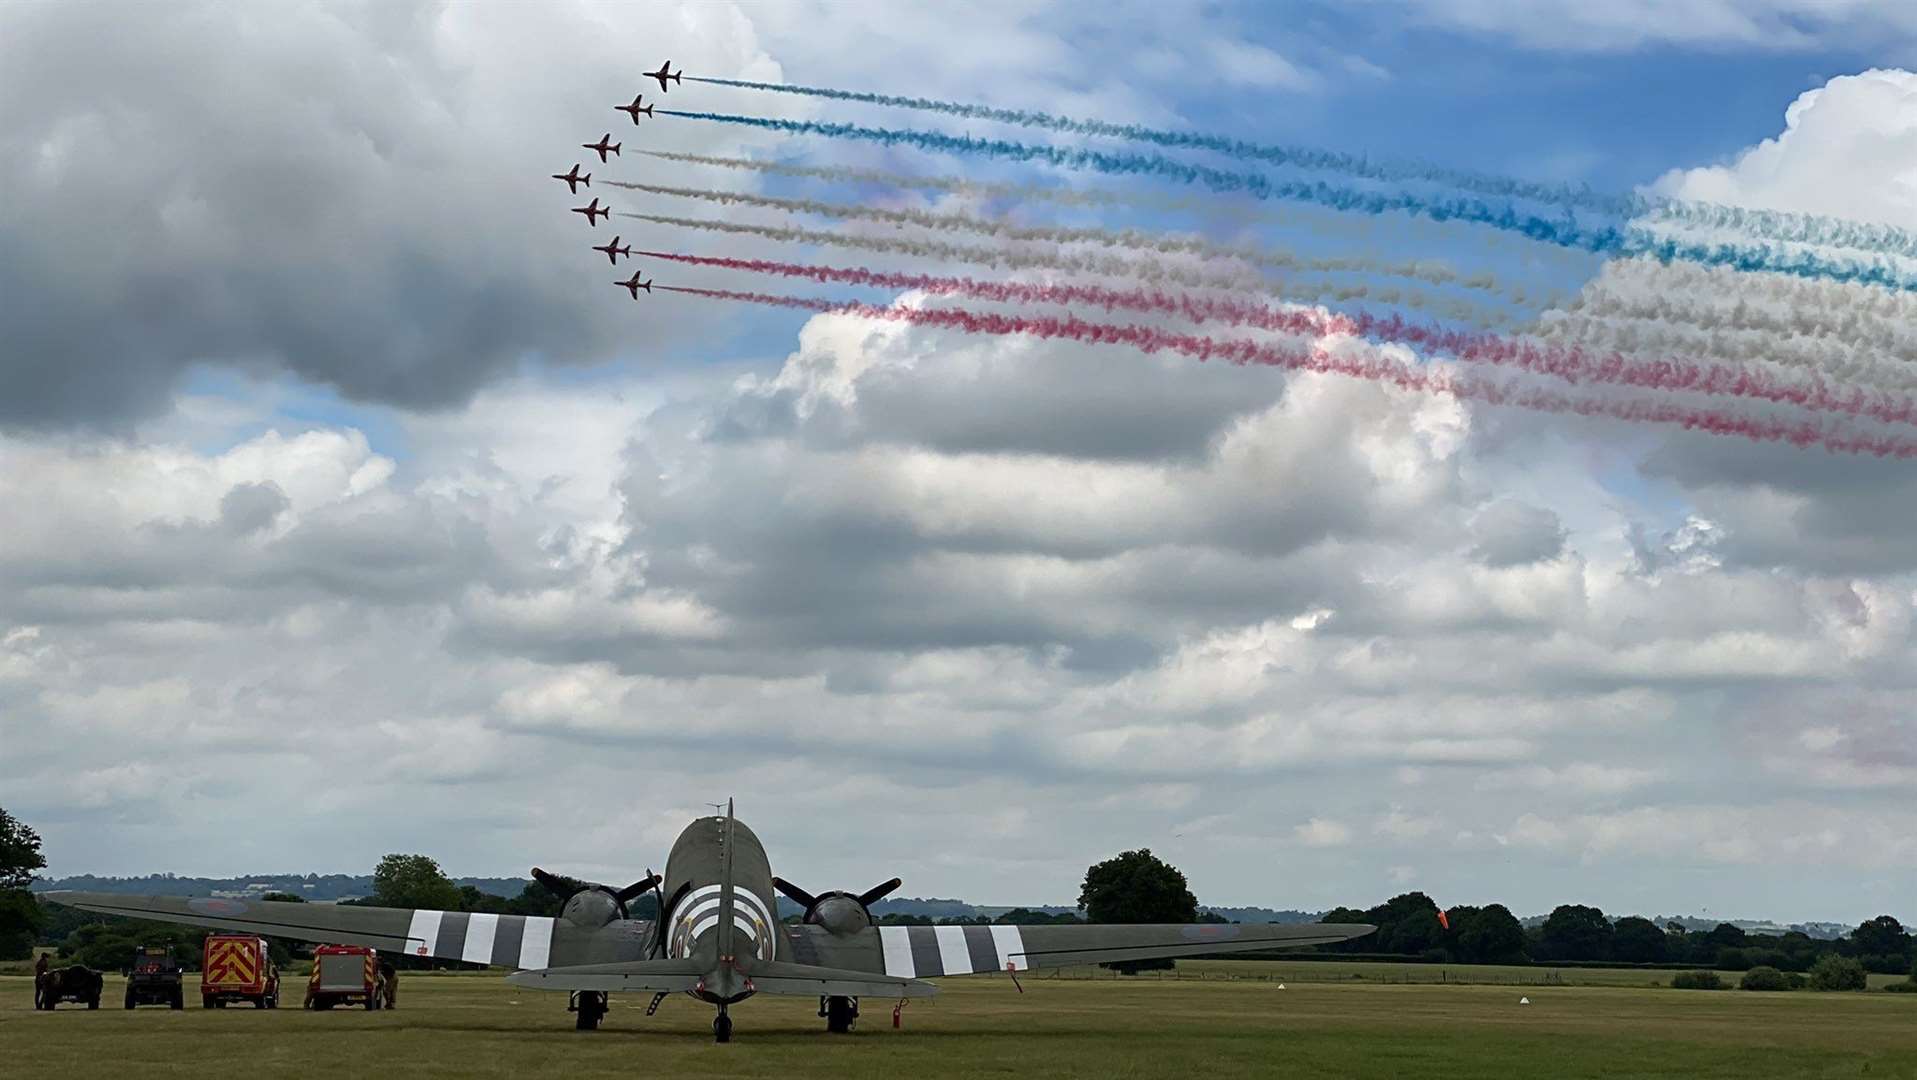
1210,1027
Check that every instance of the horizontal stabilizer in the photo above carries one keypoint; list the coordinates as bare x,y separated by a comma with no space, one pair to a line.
657,976
804,979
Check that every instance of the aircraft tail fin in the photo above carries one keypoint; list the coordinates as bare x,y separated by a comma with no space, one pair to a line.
727,899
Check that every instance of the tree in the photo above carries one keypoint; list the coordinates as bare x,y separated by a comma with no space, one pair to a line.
1407,924
413,881
1137,887
1882,936
1764,978
1491,936
1833,972
1638,941
20,914
1576,932
284,897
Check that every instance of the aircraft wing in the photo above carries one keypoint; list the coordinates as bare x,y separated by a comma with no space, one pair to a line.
658,976
916,952
515,941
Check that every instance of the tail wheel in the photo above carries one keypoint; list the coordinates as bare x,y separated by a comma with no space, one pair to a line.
722,1028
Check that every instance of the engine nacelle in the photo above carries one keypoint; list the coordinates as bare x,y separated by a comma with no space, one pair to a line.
840,912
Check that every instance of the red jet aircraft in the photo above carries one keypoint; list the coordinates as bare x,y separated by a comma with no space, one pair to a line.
593,208
613,251
573,179
635,108
665,72
604,144
635,285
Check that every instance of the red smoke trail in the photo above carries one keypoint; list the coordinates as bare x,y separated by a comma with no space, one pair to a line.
1570,363
1371,365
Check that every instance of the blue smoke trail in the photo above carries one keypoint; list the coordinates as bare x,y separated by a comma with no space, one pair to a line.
1303,157
1564,232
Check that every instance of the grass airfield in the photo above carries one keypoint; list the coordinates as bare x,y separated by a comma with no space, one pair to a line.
1222,1025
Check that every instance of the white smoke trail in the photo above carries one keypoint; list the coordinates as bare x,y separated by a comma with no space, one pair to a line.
1150,269
1125,239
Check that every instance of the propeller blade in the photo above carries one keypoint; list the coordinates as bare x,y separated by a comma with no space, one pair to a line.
797,895
559,884
878,892
637,888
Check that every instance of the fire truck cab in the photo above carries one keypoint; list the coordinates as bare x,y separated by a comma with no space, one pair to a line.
238,967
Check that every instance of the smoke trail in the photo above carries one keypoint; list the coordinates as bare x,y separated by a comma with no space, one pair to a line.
1086,263
1368,363
1126,239
1571,364
1316,219
1863,335
1302,157
1769,224
1564,232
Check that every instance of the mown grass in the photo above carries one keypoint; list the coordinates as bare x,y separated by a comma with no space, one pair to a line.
1217,1026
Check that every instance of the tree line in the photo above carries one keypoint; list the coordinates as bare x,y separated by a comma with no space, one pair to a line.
1131,887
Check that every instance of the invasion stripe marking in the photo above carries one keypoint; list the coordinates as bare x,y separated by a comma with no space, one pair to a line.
897,944
978,943
452,935
1011,948
954,957
479,939
423,933
925,950
512,931
536,948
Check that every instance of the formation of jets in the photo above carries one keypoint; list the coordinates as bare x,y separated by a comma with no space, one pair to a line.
605,146
718,938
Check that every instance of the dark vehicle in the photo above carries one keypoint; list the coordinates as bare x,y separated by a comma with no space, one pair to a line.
154,978
76,983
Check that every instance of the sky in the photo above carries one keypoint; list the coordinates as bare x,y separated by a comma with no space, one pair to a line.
350,510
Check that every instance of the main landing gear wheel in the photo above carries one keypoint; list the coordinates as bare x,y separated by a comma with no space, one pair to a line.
839,1014
592,1008
722,1028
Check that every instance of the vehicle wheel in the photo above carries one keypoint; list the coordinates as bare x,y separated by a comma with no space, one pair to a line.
372,1002
129,999
93,1002
838,1015
179,1000
722,1028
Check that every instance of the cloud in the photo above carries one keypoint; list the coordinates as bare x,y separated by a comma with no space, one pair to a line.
1320,832
1634,24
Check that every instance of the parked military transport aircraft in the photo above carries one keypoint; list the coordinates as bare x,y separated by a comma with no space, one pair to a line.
573,179
717,937
613,251
604,144
665,72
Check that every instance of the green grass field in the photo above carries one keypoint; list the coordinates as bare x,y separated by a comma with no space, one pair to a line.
1223,1024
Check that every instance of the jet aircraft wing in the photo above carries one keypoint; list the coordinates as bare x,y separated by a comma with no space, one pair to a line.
917,952
514,941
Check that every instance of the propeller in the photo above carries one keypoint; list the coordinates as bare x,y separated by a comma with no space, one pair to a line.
566,887
836,917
